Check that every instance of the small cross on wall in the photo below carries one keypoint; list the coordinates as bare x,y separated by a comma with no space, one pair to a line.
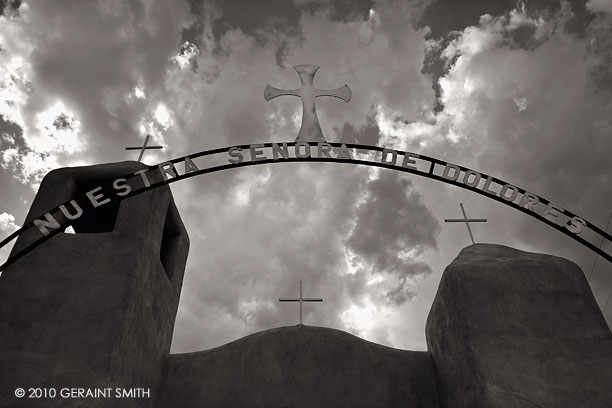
301,299
467,221
144,147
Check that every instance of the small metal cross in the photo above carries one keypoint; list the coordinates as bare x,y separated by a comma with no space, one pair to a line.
144,147
467,221
310,131
300,299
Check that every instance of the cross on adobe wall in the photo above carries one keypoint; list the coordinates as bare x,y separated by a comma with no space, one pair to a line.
301,299
467,221
144,147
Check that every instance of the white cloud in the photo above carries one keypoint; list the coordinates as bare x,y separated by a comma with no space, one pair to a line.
58,131
162,116
7,223
7,226
53,142
552,83
187,55
600,6
521,103
361,319
13,85
139,92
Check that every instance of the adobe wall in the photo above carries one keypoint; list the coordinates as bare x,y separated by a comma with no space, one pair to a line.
300,366
517,329
93,309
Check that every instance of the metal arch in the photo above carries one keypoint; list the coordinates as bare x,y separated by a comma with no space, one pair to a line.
430,174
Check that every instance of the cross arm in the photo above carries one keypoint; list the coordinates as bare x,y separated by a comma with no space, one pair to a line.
271,92
343,93
303,300
463,220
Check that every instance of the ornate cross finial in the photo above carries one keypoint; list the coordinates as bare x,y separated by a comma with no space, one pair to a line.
310,131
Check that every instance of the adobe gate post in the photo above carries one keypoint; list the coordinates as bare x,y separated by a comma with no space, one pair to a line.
510,328
94,309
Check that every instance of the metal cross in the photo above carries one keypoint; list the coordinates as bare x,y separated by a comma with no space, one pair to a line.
310,131
300,299
467,221
144,147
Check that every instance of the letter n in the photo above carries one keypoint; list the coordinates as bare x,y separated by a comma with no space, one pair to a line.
43,226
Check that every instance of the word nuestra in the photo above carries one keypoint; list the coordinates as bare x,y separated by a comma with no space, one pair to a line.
163,173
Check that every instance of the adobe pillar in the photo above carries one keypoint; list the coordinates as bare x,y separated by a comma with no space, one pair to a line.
510,328
95,308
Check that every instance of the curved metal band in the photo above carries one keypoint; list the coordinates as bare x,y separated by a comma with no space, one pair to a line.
428,174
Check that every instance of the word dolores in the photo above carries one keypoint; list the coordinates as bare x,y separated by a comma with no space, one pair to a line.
512,195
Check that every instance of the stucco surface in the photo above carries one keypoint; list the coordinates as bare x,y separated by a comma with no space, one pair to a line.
93,309
299,366
516,329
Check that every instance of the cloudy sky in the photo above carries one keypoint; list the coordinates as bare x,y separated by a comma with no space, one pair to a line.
519,90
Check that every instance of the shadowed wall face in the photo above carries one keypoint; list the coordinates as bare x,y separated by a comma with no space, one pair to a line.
95,308
511,329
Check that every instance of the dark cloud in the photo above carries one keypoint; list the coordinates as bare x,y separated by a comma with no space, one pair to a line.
258,19
63,122
367,134
404,289
601,45
392,219
445,16
13,131
92,56
252,17
393,228
9,6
